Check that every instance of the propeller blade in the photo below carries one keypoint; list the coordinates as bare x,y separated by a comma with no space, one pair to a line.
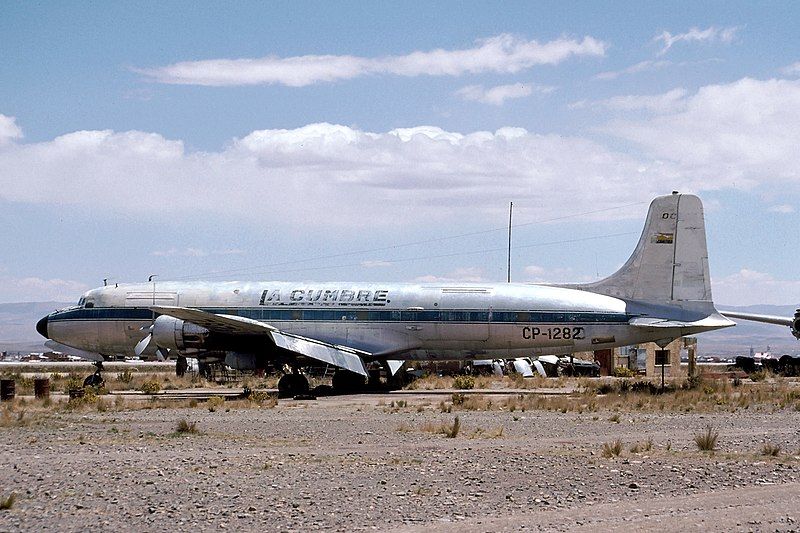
142,345
161,354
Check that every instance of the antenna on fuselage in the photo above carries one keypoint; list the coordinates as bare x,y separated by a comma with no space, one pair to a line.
105,282
150,278
510,211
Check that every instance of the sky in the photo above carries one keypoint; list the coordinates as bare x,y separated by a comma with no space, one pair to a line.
385,141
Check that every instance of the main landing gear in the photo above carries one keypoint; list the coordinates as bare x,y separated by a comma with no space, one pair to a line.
346,382
96,379
291,385
181,366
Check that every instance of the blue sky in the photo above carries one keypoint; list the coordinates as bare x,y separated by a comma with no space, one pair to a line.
311,141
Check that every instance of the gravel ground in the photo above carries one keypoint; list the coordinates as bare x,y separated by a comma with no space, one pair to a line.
356,463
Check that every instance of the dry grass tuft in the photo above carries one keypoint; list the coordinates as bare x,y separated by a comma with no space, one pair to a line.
8,502
707,440
214,403
770,450
612,449
184,427
452,431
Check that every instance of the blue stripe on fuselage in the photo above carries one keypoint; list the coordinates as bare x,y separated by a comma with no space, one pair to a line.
366,315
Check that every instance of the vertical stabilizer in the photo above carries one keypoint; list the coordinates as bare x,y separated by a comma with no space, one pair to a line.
670,262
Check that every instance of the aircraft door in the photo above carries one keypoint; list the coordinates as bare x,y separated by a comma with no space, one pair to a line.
464,314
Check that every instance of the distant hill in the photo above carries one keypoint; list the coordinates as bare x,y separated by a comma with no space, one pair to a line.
18,330
18,325
738,339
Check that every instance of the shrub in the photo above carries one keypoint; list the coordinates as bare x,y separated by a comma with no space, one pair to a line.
605,388
464,382
185,427
73,382
612,449
214,403
707,440
263,398
623,372
771,450
151,386
126,376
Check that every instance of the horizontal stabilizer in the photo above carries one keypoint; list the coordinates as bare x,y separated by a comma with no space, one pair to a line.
767,319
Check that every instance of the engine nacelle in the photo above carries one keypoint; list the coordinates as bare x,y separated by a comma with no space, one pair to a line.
796,324
243,361
176,334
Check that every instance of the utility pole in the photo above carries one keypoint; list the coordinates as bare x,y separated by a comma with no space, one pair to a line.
510,211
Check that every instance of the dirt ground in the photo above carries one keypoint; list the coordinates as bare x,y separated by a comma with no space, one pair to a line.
386,462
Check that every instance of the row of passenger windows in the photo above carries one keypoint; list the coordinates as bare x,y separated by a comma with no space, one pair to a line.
329,315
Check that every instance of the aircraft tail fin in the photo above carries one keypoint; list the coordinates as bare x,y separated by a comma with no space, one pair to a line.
670,263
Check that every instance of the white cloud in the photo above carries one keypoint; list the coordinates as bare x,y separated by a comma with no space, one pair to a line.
194,252
642,66
791,70
503,54
659,103
499,94
33,289
322,171
711,34
742,133
9,130
375,264
739,134
784,208
539,274
464,274
749,287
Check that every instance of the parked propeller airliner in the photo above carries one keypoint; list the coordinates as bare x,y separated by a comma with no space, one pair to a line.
661,293
793,322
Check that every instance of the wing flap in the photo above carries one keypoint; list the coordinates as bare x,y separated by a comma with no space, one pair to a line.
327,353
340,356
712,321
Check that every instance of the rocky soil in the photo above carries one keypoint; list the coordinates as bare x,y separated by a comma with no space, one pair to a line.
360,463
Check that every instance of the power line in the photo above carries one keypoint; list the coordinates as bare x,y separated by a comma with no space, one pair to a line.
257,268
439,256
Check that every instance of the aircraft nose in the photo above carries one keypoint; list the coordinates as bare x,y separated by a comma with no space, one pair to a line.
41,327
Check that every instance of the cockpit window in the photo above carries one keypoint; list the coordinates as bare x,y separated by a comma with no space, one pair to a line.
81,301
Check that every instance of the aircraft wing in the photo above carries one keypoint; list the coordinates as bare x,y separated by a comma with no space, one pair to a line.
768,319
714,320
333,354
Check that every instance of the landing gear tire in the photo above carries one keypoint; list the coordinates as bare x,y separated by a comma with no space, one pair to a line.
95,380
346,382
291,385
181,366
205,371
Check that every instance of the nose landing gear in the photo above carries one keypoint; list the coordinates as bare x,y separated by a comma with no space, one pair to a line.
96,379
